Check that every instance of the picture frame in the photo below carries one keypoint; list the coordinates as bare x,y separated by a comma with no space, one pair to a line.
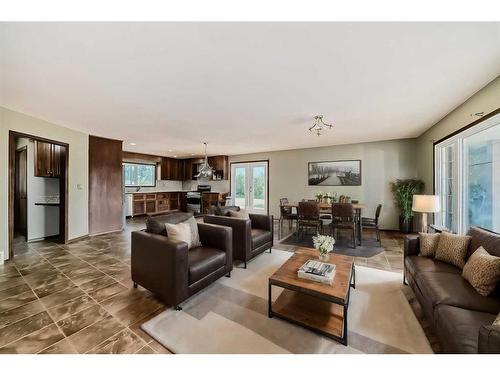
334,173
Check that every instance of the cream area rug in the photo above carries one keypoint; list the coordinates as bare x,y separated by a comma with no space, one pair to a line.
230,316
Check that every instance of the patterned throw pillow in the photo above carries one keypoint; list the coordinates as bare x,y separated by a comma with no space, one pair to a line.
452,248
482,271
428,244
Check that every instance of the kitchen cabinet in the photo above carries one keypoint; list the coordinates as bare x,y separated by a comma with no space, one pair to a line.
153,203
186,169
47,159
221,165
208,200
172,169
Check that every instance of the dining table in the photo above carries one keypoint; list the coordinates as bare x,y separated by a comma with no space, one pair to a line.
327,208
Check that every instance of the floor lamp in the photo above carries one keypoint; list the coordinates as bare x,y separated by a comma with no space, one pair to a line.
425,204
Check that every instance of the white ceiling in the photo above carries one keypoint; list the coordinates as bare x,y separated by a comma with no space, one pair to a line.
244,87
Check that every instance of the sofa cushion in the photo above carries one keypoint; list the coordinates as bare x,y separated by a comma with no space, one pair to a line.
416,264
482,271
204,260
490,241
452,289
452,248
156,224
260,237
458,329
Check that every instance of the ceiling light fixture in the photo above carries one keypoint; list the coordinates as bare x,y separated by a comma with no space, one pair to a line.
319,125
205,171
132,144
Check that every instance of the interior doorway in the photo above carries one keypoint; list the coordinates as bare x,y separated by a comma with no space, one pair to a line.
250,186
38,185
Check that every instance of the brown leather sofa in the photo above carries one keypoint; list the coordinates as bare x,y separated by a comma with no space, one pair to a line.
461,317
167,268
251,237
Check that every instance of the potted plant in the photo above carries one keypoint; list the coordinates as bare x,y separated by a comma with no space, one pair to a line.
324,244
403,191
319,195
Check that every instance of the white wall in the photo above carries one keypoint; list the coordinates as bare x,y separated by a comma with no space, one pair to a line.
43,221
381,163
77,172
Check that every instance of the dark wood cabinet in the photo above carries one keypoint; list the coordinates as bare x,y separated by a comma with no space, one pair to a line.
154,203
47,159
186,169
172,169
208,200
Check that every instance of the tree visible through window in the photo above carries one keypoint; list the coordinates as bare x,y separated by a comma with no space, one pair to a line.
139,174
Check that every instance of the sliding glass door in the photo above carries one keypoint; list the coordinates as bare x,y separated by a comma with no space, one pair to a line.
249,186
468,177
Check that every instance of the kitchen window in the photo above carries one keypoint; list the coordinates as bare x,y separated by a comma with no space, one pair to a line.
467,176
136,174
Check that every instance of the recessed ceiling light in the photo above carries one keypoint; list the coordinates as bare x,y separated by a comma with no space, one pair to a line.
169,150
192,153
132,144
175,156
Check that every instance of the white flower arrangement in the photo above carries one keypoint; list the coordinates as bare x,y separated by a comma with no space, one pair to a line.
324,244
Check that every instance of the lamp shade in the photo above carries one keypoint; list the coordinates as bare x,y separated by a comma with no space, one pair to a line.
426,203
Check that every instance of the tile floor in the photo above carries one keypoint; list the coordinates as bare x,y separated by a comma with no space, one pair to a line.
78,298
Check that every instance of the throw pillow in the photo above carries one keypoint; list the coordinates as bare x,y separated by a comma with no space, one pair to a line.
428,244
241,214
195,235
482,271
452,248
179,232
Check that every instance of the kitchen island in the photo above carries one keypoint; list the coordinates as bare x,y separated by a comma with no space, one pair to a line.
157,202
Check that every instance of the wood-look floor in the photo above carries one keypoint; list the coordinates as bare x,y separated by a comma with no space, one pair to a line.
78,298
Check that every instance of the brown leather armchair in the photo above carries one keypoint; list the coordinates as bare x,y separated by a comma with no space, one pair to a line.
168,269
251,237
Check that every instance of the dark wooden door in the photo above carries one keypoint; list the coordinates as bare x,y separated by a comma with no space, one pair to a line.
21,193
105,185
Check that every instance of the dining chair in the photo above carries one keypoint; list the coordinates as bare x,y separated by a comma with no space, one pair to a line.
368,222
344,217
308,217
286,213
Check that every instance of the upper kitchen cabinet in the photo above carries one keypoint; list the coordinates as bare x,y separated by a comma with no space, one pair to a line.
221,165
172,169
47,159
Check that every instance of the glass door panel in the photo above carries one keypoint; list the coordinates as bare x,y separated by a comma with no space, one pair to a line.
240,186
249,186
482,179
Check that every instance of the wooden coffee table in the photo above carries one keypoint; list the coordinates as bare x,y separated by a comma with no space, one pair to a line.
319,307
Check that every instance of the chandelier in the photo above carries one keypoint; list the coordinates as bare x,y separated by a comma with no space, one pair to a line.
319,125
205,171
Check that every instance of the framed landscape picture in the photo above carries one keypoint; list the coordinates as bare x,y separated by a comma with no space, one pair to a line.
334,173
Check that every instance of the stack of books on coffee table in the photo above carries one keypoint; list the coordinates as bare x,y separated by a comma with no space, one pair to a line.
317,271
